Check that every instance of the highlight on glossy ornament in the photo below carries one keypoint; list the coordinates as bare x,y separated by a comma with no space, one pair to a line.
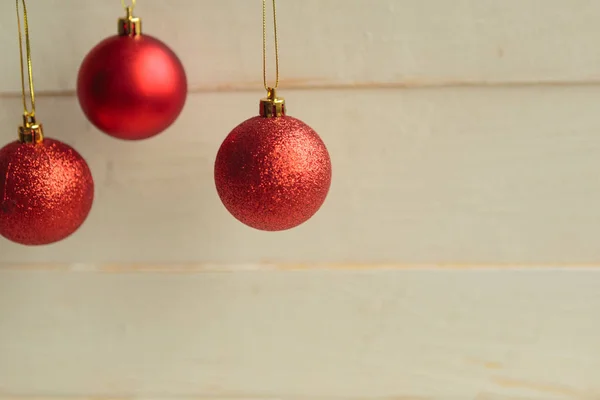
273,172
131,86
46,187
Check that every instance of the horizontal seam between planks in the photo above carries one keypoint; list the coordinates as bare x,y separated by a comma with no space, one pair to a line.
253,86
284,267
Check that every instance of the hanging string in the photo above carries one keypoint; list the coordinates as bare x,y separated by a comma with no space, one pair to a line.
27,112
264,17
127,8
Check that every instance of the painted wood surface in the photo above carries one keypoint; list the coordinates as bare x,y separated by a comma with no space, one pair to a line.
464,137
328,42
472,175
319,334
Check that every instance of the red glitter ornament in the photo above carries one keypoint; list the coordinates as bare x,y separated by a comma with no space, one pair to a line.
46,191
131,86
46,188
273,171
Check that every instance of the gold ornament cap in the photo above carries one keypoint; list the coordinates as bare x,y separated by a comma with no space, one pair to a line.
130,25
272,106
30,131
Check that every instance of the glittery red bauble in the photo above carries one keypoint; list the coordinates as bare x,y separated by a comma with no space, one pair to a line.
131,87
273,173
46,192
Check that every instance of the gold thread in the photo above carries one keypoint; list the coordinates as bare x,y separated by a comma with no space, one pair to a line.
26,111
264,18
126,7
30,131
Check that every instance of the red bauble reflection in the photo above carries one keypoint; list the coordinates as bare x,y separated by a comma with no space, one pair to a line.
131,87
46,192
273,173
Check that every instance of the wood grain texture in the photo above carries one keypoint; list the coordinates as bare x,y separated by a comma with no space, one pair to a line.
359,42
462,176
464,137
422,334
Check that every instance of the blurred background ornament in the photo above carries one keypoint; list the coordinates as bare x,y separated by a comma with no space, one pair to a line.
131,86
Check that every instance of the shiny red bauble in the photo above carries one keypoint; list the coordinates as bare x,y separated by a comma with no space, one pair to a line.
131,87
46,192
273,173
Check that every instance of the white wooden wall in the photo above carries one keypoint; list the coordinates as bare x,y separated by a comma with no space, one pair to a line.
457,256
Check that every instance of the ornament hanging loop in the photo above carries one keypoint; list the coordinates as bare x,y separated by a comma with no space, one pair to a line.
271,106
30,131
26,109
129,25
276,39
128,8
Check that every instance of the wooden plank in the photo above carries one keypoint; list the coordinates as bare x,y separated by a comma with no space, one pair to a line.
461,176
328,42
404,334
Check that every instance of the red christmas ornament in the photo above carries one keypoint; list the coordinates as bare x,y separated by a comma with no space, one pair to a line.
46,188
273,171
131,86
